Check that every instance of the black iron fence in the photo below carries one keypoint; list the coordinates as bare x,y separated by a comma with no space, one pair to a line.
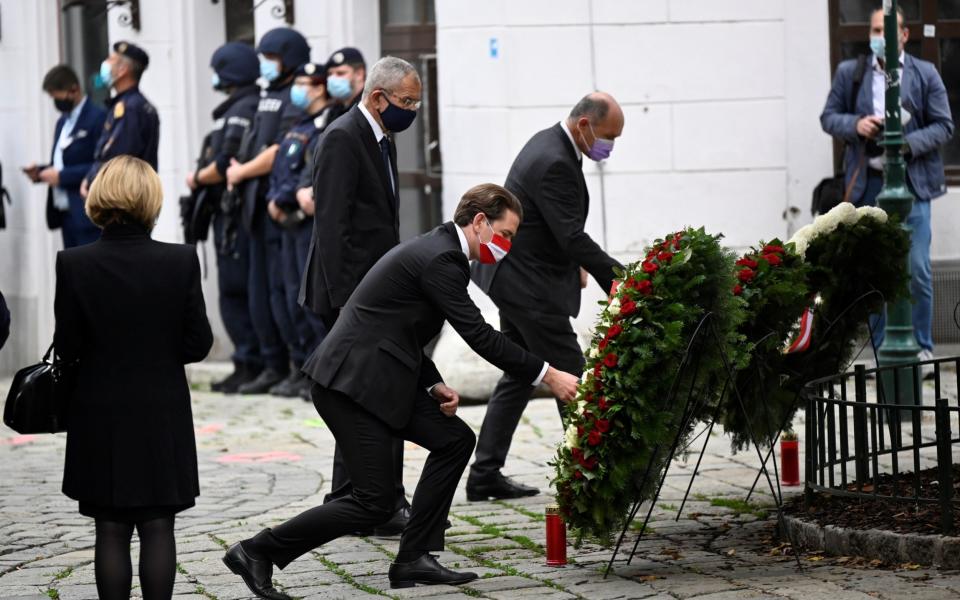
875,445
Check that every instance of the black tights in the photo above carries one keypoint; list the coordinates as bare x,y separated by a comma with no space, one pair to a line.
158,558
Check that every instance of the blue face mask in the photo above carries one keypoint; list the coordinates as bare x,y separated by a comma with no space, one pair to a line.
878,45
339,87
299,96
269,69
106,76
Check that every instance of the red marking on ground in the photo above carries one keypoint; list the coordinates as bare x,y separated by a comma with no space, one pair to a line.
260,457
18,440
208,429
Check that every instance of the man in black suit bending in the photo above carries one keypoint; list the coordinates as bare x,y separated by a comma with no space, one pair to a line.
537,288
355,188
374,383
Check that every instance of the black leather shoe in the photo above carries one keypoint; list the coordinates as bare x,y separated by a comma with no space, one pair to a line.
498,487
257,574
395,525
289,387
241,374
264,381
427,571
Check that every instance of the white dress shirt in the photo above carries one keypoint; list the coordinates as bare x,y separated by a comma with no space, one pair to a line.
573,143
379,134
60,198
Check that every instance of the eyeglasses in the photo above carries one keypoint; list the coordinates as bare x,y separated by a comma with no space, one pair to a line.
405,102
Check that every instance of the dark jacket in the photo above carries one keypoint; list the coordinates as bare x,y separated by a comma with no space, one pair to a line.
132,127
131,311
374,353
931,126
77,156
542,270
356,220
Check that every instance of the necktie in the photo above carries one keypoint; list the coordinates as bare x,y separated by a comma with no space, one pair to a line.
385,152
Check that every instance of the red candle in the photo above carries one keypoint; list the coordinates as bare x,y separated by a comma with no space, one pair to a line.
556,537
789,462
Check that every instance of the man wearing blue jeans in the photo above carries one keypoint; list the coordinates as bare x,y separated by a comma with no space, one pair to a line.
927,126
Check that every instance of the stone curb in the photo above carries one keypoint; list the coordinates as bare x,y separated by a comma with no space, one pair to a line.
897,548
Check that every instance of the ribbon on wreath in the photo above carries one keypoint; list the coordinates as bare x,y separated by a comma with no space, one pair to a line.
801,343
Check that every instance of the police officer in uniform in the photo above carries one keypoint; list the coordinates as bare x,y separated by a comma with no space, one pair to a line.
310,94
281,52
132,126
346,76
235,72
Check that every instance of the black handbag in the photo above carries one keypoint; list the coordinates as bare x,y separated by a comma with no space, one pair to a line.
39,394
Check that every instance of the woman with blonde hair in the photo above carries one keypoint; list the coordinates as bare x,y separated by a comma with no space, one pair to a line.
130,311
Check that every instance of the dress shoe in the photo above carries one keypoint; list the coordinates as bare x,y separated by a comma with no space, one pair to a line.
427,571
498,487
257,574
267,378
395,525
242,373
289,387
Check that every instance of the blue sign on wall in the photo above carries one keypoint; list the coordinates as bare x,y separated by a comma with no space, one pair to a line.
494,48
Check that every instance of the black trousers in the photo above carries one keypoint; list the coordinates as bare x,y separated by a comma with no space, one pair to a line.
549,336
340,485
368,457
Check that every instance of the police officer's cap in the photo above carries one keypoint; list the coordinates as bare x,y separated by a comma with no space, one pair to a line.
313,70
346,56
236,64
288,44
132,52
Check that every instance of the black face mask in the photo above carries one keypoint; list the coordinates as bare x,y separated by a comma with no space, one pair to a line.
65,105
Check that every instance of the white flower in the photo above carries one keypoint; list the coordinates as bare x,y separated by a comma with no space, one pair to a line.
583,378
845,212
872,211
801,239
594,352
613,307
581,406
571,435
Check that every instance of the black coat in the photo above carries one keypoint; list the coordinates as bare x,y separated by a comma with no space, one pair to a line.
356,218
374,353
541,272
131,310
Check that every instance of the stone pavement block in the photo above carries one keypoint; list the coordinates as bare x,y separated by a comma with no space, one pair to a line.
541,593
689,585
338,592
498,584
78,592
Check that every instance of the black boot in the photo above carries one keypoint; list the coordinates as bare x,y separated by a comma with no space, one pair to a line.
242,373
289,387
267,378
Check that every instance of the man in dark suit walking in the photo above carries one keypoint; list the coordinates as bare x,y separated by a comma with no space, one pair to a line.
537,289
356,220
74,141
374,382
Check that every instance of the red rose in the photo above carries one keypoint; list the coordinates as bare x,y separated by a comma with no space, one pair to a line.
737,290
676,242
746,262
746,275
577,475
614,331
598,370
603,344
630,282
610,360
579,430
577,454
651,254
587,416
597,385
773,259
628,308
649,267
602,403
645,287
589,463
588,398
773,249
594,438
602,425
665,257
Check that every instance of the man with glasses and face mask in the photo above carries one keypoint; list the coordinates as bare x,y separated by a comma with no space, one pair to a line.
356,218
537,287
74,142
132,126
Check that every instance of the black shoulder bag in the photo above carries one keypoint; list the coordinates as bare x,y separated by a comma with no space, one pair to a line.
39,395
831,191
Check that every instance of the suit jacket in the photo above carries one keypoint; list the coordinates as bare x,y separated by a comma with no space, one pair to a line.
356,220
77,156
542,269
923,94
374,353
131,311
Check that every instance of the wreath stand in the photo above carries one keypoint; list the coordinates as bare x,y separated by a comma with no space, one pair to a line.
705,333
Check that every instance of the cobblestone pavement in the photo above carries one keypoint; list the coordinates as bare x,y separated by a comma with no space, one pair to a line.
265,459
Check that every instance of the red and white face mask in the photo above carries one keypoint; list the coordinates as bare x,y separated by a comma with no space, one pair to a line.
495,250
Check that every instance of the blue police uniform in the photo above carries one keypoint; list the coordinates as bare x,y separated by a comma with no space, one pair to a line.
291,162
232,120
132,127
274,117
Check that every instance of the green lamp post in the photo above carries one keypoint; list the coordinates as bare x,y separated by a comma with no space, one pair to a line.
899,344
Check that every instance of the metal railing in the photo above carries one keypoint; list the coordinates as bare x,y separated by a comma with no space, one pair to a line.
855,441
